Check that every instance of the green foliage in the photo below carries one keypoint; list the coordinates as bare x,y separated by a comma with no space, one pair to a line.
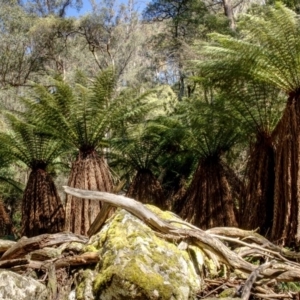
212,131
138,139
257,106
50,7
25,143
288,287
267,51
79,116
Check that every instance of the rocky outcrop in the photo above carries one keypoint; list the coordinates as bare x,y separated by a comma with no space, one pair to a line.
15,286
137,264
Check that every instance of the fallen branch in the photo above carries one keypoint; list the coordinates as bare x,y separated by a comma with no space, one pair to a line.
281,268
26,245
251,280
197,236
5,245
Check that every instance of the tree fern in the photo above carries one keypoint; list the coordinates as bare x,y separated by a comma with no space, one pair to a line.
42,210
267,50
212,133
138,143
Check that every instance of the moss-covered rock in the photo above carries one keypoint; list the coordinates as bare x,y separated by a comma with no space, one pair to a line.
137,264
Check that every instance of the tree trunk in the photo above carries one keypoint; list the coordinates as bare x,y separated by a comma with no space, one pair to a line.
208,201
146,189
42,209
286,223
228,11
5,222
91,172
257,209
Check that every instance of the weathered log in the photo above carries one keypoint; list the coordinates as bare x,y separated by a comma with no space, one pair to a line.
248,235
251,280
210,241
13,262
44,254
26,245
86,258
22,264
198,236
5,245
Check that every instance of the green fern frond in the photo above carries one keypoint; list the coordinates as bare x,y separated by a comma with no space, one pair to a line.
211,130
268,50
76,114
24,142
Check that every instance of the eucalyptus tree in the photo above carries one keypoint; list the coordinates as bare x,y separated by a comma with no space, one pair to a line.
210,199
183,22
44,8
268,51
79,115
114,36
31,46
42,209
53,39
17,60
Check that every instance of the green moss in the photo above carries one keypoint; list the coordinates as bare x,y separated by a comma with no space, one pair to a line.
227,293
85,279
212,268
132,254
103,279
146,282
90,248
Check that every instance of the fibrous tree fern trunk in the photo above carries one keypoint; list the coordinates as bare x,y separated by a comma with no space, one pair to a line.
209,201
286,223
256,211
90,172
147,189
5,222
42,209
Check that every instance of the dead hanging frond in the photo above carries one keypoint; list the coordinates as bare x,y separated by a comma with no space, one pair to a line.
259,108
146,188
209,200
42,209
286,222
256,209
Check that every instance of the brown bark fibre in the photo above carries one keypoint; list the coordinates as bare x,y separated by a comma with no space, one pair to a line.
208,201
42,209
89,171
5,222
147,189
286,222
257,209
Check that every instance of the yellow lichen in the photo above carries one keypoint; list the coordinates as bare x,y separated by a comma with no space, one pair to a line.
132,252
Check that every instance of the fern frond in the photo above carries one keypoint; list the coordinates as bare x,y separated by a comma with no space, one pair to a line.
26,143
268,51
